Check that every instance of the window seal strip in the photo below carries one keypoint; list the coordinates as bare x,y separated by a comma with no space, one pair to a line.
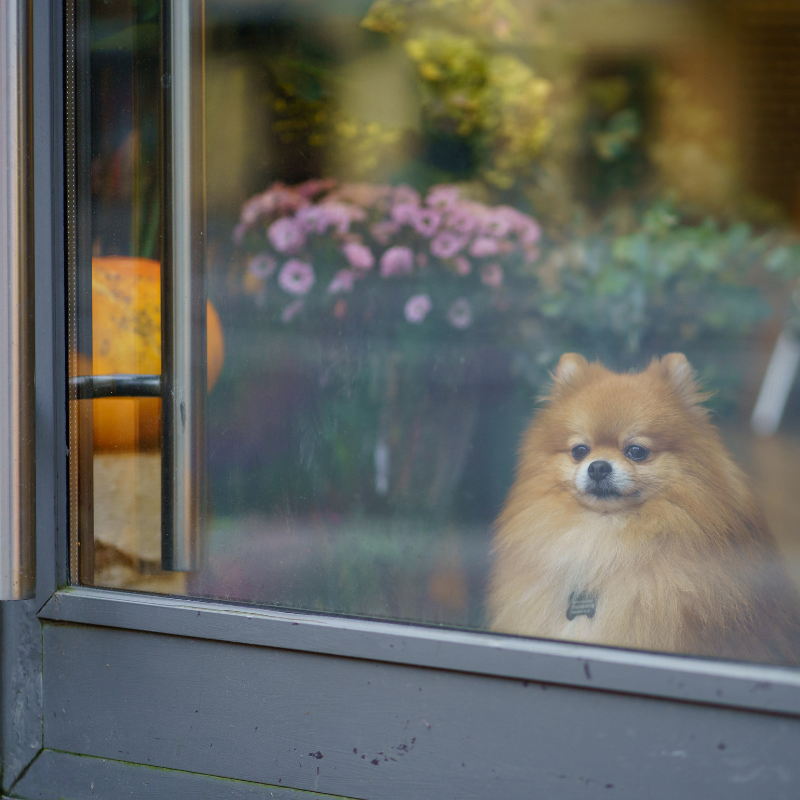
684,678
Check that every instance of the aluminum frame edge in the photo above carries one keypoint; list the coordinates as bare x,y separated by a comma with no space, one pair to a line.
17,336
749,686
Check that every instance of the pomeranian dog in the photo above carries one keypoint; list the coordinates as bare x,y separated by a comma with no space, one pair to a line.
629,524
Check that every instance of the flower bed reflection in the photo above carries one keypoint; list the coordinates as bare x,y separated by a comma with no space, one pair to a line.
378,258
406,305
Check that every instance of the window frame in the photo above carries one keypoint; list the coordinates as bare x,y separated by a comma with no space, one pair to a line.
730,684
68,633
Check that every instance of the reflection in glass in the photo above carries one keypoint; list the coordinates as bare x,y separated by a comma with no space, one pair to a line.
414,209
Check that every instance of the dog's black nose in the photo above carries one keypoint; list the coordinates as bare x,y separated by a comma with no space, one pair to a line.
599,469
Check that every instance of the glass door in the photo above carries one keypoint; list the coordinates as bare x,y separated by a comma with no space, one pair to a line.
406,217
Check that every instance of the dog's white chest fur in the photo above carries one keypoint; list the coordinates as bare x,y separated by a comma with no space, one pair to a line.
586,557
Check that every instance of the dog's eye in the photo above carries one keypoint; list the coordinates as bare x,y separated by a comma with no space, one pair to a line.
636,452
580,451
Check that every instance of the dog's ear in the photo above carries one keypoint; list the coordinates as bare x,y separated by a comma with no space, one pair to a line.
679,374
569,369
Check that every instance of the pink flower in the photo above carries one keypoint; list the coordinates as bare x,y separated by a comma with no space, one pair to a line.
462,220
313,219
484,246
528,230
397,261
296,277
442,197
460,314
340,215
359,255
261,266
479,212
267,203
463,267
277,200
499,221
286,235
446,244
404,213
405,194
383,231
251,211
417,308
492,275
504,219
342,281
426,221
291,311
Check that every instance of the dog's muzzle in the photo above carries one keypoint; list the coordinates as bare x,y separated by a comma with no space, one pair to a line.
601,481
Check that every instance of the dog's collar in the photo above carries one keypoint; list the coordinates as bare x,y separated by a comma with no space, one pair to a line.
582,603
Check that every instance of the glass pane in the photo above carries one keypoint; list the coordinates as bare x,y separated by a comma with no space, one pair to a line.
432,226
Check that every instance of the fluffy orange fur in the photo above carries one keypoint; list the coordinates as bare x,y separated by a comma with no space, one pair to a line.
677,553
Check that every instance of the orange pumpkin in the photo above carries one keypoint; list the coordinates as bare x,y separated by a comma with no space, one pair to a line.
126,338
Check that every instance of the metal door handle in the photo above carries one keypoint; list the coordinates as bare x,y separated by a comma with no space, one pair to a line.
183,288
93,387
